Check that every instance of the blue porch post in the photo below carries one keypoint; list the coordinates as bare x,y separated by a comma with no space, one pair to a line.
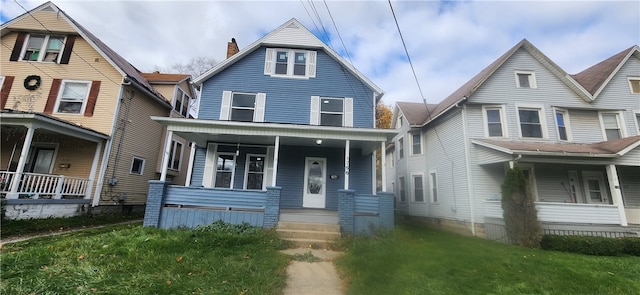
346,209
385,209
155,200
272,208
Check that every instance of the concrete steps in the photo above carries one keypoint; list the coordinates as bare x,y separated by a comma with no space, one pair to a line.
304,234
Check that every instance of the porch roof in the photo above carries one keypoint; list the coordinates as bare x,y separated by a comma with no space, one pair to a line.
605,149
203,131
42,121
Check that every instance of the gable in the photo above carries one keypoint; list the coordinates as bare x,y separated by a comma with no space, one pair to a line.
47,16
293,34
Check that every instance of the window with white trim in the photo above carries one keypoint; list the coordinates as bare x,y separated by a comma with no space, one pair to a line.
137,165
634,85
254,172
525,79
402,189
400,148
418,188
562,124
1,81
638,122
494,117
175,155
433,184
225,170
611,125
182,102
242,106
42,48
531,122
416,143
284,62
72,97
331,111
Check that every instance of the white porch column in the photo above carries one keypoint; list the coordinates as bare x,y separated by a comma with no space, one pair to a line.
346,164
94,167
383,165
616,195
165,155
276,152
26,145
192,156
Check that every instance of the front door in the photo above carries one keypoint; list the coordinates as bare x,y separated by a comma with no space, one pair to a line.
594,187
315,179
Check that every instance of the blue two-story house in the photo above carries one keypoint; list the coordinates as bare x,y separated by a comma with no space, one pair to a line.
285,127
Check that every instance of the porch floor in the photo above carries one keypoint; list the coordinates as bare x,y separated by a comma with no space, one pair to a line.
309,216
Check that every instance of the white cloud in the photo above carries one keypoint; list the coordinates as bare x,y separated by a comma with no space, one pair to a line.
448,42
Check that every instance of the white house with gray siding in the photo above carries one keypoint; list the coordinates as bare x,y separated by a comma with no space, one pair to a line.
576,136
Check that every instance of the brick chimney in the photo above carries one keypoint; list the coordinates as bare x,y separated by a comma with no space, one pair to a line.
232,48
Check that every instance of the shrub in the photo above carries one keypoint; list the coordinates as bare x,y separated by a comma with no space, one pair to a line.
230,235
599,246
519,211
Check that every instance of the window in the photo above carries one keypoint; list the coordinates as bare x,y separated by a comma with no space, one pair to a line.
72,97
401,148
137,166
416,143
182,102
37,44
399,122
433,184
225,169
418,188
634,85
611,125
531,124
175,155
331,111
494,118
638,122
254,172
402,192
562,117
290,63
525,79
244,107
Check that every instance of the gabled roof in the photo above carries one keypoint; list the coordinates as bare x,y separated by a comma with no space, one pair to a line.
165,78
595,78
293,34
117,61
415,113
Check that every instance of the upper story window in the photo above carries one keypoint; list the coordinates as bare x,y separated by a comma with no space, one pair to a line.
612,125
562,123
283,62
43,48
634,85
73,97
182,102
525,79
494,117
175,155
416,140
638,122
532,122
401,148
240,106
331,111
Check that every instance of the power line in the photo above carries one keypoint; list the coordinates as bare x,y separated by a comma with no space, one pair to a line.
339,36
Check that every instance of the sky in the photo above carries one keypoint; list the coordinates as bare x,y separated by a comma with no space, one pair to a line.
448,42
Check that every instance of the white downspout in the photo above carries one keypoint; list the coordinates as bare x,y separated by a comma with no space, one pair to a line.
470,193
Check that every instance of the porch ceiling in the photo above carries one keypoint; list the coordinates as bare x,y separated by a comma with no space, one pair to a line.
50,124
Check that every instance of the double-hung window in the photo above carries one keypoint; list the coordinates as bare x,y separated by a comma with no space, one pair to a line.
137,166
241,106
225,169
402,189
43,48
284,62
433,184
72,98
532,122
416,141
634,85
331,111
562,123
175,155
611,125
400,148
182,101
494,121
418,188
525,79
254,175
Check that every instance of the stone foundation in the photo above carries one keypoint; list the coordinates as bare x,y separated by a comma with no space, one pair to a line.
41,211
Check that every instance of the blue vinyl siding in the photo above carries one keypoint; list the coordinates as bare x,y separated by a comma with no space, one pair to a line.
198,166
288,99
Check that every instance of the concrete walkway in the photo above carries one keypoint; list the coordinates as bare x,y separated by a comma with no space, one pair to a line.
309,278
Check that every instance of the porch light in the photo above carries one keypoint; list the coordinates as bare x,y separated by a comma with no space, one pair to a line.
318,141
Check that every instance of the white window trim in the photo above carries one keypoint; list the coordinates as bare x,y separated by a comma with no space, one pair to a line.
503,120
315,117
226,105
541,116
532,79
174,143
182,99
413,152
630,86
567,124
84,101
142,166
619,118
433,186
43,49
246,170
215,169
413,188
402,187
310,65
636,118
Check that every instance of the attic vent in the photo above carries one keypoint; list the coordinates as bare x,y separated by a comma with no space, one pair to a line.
292,26
97,59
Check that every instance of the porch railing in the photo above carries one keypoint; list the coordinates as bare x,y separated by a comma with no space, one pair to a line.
43,186
564,212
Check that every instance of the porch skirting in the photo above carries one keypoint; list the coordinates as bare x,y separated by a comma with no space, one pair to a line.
15,209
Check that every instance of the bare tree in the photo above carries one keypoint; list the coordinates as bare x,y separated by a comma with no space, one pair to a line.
195,67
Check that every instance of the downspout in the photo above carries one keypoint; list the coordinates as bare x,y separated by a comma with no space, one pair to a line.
470,193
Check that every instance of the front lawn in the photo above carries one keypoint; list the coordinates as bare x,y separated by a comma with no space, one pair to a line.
130,259
13,228
418,260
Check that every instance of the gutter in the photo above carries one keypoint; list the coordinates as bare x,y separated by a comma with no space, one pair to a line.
455,105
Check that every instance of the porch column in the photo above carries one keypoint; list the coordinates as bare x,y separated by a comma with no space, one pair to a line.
383,165
192,156
94,167
165,155
346,165
276,151
616,195
15,182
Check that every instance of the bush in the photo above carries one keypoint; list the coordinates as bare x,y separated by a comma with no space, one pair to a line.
230,235
519,211
599,246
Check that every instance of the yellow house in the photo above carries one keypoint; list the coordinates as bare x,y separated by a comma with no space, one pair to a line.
75,121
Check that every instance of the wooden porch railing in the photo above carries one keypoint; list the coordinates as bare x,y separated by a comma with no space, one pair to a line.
40,186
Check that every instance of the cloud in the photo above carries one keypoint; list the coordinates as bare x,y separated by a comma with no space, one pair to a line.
448,41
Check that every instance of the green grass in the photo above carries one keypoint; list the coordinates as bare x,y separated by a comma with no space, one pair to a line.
130,259
418,260
12,228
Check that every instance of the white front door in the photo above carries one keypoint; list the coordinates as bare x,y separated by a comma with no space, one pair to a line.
315,180
594,187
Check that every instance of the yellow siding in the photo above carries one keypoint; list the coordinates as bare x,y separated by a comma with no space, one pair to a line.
54,22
